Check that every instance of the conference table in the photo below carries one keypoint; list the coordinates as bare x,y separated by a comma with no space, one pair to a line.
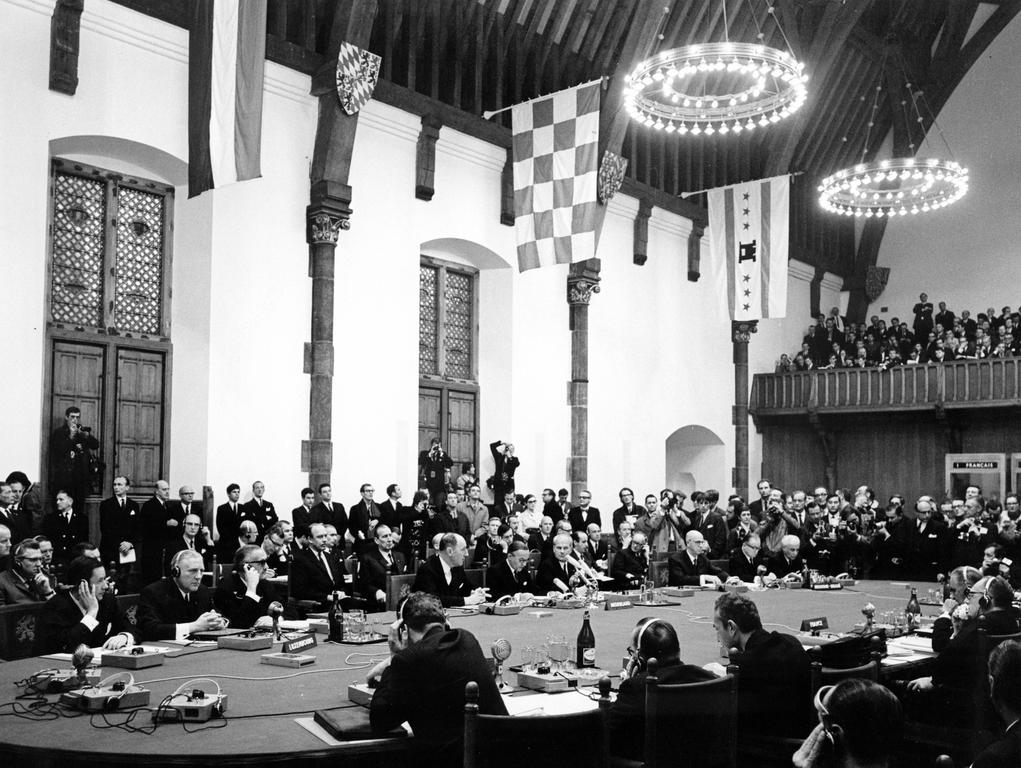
267,704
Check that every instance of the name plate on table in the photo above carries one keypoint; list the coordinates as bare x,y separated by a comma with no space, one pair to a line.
815,625
300,643
616,602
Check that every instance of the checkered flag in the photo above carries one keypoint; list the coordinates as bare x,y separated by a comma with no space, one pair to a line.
556,165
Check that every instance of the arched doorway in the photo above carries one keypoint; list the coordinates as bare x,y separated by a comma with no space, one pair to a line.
696,458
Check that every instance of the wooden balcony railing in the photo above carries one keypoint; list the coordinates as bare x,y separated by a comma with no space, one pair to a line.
964,384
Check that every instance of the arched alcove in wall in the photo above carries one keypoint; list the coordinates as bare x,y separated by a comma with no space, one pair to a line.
696,459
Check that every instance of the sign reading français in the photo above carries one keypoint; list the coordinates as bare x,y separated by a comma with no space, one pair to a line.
976,465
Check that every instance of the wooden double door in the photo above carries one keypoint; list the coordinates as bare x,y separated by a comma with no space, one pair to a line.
121,391
451,414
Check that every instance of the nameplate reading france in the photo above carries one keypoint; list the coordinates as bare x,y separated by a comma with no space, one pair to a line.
814,625
300,643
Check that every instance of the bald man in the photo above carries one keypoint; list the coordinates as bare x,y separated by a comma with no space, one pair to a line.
690,567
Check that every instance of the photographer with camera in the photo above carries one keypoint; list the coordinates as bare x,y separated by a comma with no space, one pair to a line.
70,458
432,465
777,522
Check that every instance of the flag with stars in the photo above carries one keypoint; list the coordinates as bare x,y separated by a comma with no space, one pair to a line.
748,240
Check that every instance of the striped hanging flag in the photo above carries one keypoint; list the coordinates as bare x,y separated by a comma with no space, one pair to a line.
748,239
555,153
226,58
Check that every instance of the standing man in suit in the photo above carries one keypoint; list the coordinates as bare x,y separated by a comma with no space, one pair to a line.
709,522
433,465
583,514
329,511
118,523
65,527
302,516
564,503
87,614
178,605
506,464
157,526
376,564
186,504
627,510
26,500
17,523
443,575
928,544
229,515
690,567
775,674
261,511
317,574
364,517
69,457
758,507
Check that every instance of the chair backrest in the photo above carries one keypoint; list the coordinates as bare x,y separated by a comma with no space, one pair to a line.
658,572
542,741
533,560
831,676
697,720
476,576
17,630
351,564
394,585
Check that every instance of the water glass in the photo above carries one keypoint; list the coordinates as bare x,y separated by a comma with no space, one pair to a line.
528,658
558,650
355,620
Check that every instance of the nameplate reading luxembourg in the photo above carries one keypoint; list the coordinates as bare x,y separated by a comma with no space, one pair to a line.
300,643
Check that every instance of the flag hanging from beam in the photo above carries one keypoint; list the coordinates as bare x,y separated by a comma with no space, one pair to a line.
226,58
748,243
555,147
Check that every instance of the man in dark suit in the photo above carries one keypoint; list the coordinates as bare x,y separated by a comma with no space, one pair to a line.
650,639
787,560
580,516
260,510
504,507
774,695
118,523
193,537
26,500
511,576
542,541
443,575
329,511
316,574
746,559
432,467
505,463
1005,691
248,533
631,565
175,607
16,522
87,614
550,507
376,564
690,566
229,515
596,552
70,447
557,573
24,581
710,523
423,682
157,526
185,504
363,518
302,515
758,507
927,543
627,510
65,527
243,597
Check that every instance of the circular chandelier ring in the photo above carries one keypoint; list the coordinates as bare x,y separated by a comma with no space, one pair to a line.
657,92
896,187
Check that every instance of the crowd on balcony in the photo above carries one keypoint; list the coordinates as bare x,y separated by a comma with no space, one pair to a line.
933,337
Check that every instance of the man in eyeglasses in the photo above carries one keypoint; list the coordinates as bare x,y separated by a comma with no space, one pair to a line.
194,536
243,596
24,581
582,515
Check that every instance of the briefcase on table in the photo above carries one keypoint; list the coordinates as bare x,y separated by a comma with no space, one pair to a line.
352,724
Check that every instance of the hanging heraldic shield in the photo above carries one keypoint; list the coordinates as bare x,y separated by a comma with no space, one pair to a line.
357,72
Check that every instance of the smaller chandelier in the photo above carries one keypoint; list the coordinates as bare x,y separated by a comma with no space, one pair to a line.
715,88
894,187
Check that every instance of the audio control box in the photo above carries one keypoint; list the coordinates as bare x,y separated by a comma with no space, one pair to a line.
259,642
194,707
134,658
115,697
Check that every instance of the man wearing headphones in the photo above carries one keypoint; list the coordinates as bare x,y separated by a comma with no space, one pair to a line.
937,698
175,607
651,639
24,581
859,726
423,681
242,597
86,614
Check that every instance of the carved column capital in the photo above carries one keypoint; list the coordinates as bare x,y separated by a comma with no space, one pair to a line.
743,329
582,281
324,228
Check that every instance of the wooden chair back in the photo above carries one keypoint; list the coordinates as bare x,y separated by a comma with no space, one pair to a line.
17,630
542,741
697,720
659,570
394,586
831,676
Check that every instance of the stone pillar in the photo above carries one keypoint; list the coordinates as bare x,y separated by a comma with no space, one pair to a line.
741,333
327,215
582,282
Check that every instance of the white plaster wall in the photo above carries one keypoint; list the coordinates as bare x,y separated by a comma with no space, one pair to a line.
967,254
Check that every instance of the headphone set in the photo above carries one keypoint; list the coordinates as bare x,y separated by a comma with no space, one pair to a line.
636,657
831,732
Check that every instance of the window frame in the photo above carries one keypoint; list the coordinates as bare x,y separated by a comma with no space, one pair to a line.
443,267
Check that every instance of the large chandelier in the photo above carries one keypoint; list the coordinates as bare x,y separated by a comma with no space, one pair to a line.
894,187
897,186
715,88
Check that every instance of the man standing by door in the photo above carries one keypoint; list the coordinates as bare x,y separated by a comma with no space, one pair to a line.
69,457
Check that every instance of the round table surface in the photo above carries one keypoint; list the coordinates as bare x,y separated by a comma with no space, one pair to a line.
265,700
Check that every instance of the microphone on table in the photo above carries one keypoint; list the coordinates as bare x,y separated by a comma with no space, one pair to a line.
80,660
501,650
275,611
